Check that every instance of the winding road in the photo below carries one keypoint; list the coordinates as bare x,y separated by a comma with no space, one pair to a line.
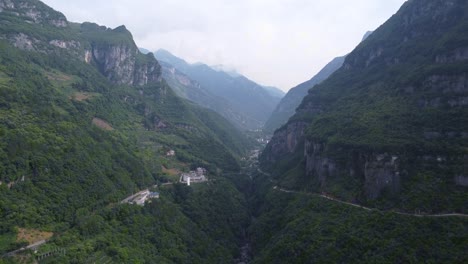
356,205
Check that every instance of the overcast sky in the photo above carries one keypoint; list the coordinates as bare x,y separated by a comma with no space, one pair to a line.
273,42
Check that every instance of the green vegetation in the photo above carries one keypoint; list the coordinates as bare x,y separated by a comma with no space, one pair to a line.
395,95
61,172
297,228
73,145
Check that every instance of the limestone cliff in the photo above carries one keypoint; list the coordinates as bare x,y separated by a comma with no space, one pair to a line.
34,12
117,56
119,63
37,27
392,122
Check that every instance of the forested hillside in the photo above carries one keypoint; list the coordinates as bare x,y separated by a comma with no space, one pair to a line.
86,120
389,128
372,167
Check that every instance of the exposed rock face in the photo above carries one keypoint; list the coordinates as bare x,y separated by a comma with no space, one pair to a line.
285,141
317,165
427,93
459,54
120,65
147,73
117,63
65,44
34,11
379,171
24,42
88,57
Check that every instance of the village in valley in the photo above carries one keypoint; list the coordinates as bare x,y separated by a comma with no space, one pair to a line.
195,176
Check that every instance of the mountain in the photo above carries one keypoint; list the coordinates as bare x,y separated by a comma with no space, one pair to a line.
144,51
85,121
223,68
274,91
287,106
253,102
189,89
373,165
388,129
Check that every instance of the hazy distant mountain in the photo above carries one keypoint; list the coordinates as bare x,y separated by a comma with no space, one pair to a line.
287,107
189,89
144,51
232,72
253,102
274,91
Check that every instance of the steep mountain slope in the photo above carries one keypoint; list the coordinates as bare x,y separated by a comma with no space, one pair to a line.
274,91
287,106
389,128
86,120
189,89
251,100
305,228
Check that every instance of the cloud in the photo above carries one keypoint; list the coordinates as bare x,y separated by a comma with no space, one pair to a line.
274,42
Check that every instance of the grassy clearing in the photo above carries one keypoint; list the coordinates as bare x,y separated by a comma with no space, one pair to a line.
102,124
32,235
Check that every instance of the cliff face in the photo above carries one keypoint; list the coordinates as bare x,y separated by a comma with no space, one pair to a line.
119,63
34,11
393,120
117,56
33,26
379,172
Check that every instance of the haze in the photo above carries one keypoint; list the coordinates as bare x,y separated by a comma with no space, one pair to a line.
274,42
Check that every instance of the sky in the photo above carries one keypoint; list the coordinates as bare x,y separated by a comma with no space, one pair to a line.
274,42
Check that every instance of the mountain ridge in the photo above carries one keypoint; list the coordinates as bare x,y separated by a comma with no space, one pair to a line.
288,104
246,97
366,133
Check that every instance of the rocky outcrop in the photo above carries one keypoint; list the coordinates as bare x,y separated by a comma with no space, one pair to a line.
377,171
381,172
121,62
317,165
24,42
149,72
117,63
459,54
65,44
34,11
285,141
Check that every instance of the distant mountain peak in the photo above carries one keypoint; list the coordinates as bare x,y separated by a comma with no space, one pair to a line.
368,33
227,69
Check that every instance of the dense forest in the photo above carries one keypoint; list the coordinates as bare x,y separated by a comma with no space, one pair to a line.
86,120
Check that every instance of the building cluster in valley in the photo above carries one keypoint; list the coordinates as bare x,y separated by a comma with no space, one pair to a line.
141,197
195,176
